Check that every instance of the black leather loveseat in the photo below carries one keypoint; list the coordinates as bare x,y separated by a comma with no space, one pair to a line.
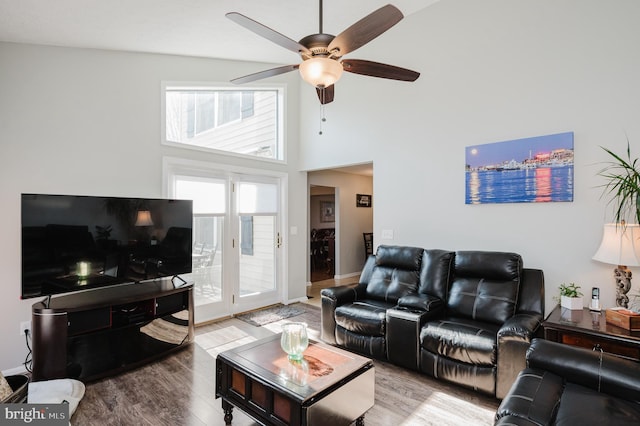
467,317
567,385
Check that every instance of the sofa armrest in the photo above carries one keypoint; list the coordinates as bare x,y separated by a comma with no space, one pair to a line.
520,327
603,372
531,294
422,303
403,334
514,338
533,399
331,298
344,294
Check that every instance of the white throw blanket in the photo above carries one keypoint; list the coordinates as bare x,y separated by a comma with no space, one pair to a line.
56,392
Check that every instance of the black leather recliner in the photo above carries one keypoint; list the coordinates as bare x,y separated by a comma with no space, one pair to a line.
568,385
466,317
481,340
355,317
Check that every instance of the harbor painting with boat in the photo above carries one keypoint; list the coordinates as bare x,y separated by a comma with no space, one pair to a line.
531,170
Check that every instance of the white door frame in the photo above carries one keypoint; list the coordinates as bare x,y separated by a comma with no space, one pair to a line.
175,165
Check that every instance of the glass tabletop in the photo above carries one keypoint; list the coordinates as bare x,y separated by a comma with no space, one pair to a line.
322,366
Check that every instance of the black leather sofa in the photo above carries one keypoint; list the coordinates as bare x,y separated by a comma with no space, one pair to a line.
467,316
567,385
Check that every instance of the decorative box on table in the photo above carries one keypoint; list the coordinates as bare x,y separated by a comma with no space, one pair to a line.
623,318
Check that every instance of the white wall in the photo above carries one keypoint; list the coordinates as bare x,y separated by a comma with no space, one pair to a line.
351,221
77,121
492,70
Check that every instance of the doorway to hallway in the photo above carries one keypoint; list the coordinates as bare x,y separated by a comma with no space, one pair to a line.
322,237
346,188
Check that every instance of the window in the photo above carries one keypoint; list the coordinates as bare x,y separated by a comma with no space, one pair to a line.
245,122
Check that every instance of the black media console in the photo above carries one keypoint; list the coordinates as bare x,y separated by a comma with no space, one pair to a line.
92,334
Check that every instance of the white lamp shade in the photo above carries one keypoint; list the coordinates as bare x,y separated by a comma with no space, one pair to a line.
321,72
144,218
620,245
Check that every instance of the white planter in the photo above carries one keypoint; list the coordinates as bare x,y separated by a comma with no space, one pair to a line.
573,303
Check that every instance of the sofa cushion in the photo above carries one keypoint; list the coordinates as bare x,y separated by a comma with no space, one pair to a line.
461,339
582,406
533,396
390,284
435,273
491,265
396,273
372,346
478,378
592,369
485,285
367,317
400,257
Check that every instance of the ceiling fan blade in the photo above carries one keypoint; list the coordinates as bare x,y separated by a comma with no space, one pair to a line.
268,33
326,94
376,69
265,74
366,29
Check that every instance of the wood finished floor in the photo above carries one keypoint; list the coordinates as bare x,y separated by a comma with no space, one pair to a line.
179,389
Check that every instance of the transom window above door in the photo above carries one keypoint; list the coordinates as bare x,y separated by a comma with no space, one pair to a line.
241,122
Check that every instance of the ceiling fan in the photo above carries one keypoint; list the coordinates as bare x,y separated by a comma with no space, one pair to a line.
322,64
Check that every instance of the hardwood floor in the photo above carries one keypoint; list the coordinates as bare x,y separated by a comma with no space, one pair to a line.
180,388
313,291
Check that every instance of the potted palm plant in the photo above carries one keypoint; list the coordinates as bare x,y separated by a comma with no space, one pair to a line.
623,185
570,296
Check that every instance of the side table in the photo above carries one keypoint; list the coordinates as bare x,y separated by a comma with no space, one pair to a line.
590,330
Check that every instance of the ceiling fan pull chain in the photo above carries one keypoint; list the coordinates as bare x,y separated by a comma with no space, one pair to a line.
322,118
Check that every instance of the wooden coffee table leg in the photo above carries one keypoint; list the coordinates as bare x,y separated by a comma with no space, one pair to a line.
228,412
360,421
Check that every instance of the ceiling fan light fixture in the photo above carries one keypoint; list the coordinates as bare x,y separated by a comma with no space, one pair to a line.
320,71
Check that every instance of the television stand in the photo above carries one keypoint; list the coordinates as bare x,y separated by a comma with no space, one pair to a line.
100,332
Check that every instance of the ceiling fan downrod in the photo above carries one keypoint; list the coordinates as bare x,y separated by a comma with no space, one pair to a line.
320,18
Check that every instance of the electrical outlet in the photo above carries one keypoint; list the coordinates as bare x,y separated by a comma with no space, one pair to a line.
25,325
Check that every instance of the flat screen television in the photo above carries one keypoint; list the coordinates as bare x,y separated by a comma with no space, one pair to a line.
72,243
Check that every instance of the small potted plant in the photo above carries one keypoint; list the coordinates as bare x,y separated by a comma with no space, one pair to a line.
570,296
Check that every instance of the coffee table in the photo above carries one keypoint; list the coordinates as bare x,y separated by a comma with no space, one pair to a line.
329,386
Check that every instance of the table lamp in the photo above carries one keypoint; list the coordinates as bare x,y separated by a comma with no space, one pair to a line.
144,218
620,246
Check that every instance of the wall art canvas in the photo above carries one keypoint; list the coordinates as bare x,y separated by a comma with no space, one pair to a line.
531,170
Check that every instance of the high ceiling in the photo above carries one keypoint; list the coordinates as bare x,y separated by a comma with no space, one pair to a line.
179,27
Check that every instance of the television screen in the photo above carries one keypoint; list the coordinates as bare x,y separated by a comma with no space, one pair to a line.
72,243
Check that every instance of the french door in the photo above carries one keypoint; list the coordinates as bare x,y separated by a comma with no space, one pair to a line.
236,240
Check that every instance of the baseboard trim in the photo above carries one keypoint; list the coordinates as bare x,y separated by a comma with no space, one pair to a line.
352,274
299,299
14,371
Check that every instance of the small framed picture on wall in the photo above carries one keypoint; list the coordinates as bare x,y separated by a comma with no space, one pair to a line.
363,200
327,211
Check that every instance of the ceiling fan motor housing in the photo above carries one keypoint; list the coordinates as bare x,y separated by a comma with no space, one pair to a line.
318,44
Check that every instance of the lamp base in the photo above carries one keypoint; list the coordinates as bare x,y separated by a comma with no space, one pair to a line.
623,285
